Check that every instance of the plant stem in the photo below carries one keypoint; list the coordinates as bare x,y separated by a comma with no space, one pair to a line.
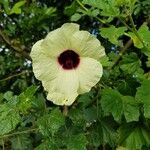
17,49
135,30
65,110
18,132
81,5
127,45
12,76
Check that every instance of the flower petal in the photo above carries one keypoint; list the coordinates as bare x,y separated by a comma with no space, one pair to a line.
87,45
57,41
63,89
89,73
70,28
44,67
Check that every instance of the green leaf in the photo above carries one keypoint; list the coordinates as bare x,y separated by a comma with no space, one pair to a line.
77,142
21,142
16,8
48,144
5,4
108,7
76,115
76,17
26,98
50,123
131,64
90,114
71,9
102,133
105,61
116,104
9,119
8,96
144,34
143,96
133,137
112,33
86,99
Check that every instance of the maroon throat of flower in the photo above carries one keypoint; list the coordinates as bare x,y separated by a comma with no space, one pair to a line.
69,60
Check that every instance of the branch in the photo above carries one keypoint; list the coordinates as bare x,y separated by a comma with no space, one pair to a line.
12,76
18,132
127,45
17,49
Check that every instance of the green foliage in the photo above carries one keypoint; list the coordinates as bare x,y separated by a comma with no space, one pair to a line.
131,64
118,105
77,142
113,33
143,96
115,114
108,8
9,119
133,136
144,33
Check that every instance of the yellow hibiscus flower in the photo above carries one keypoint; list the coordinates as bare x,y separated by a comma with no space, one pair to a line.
67,63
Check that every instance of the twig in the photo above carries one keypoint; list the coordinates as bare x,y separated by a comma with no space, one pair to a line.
18,132
15,48
127,45
12,76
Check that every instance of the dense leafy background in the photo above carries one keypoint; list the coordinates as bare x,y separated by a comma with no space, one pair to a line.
115,114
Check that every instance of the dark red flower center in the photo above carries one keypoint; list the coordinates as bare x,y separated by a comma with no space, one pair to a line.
69,59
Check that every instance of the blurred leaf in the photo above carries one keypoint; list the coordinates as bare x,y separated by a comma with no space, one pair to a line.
112,33
48,144
76,17
5,5
77,142
102,133
76,115
105,61
90,114
50,123
8,95
116,104
108,7
144,34
21,142
16,8
71,9
131,64
143,96
26,98
133,137
9,119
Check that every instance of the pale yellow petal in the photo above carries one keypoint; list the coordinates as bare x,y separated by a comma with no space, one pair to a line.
70,28
44,67
87,45
36,51
58,40
89,73
63,89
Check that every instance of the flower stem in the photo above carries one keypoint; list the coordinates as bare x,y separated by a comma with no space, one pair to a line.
65,110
